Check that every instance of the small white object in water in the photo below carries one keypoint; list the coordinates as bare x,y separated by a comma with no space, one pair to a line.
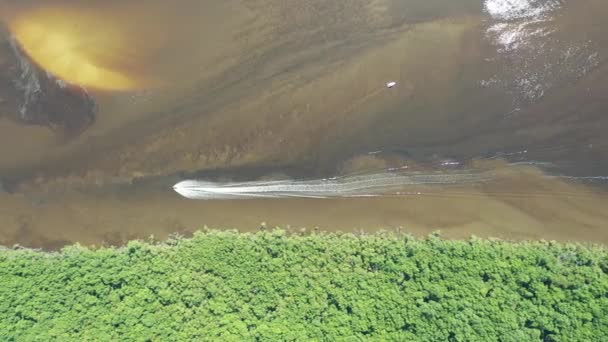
391,84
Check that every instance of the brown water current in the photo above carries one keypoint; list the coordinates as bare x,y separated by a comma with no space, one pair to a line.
239,90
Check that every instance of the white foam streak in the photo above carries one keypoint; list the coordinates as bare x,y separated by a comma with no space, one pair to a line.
352,186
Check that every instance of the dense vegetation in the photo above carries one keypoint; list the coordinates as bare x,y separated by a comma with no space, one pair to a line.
273,286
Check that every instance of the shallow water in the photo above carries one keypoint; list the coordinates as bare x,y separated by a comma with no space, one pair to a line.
250,90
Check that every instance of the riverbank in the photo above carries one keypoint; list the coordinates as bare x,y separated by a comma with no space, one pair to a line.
278,286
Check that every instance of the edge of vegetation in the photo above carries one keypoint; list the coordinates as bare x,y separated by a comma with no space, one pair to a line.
272,285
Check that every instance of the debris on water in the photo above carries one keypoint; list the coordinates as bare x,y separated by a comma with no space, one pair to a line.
391,84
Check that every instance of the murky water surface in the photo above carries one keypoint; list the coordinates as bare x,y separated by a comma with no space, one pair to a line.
105,107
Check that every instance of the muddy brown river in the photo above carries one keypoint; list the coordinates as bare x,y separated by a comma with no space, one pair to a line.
105,107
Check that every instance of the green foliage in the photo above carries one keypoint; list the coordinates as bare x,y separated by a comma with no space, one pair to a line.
271,286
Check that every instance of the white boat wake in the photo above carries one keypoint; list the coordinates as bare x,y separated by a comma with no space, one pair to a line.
350,186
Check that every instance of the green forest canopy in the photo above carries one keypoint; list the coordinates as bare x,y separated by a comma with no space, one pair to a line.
275,286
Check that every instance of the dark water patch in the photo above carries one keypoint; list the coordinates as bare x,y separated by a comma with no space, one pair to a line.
43,99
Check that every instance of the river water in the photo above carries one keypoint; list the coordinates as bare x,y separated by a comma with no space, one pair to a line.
284,90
